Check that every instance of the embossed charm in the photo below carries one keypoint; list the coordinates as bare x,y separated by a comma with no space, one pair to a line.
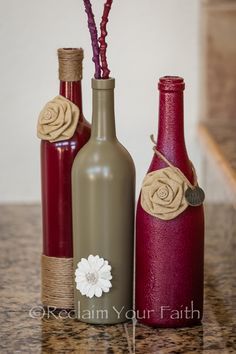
163,194
195,197
58,120
93,276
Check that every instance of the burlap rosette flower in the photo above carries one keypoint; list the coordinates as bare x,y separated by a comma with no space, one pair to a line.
58,120
163,194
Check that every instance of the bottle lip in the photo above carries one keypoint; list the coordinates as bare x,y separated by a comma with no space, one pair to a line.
171,83
103,84
68,52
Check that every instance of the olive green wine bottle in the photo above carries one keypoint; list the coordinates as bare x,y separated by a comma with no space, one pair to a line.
103,193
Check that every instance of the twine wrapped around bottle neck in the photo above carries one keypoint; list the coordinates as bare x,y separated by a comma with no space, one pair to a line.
70,64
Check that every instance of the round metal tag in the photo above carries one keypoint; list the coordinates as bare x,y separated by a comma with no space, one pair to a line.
195,197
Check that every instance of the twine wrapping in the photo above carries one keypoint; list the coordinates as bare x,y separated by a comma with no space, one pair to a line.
70,64
57,282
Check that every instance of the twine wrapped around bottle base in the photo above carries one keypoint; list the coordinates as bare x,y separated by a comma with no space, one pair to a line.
57,282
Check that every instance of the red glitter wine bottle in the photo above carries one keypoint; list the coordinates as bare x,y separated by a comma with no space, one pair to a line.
56,164
170,253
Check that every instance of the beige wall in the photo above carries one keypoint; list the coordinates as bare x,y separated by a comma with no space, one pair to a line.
147,39
219,64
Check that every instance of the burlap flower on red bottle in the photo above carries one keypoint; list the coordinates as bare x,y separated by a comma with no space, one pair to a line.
58,120
163,194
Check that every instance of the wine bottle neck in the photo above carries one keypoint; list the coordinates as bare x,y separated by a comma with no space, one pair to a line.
170,138
103,118
72,90
171,121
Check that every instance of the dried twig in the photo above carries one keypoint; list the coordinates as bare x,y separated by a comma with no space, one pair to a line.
94,38
102,39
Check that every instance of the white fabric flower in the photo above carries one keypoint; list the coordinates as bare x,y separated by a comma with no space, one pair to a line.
93,276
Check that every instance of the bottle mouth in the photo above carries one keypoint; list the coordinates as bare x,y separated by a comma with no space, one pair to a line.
71,50
103,84
171,83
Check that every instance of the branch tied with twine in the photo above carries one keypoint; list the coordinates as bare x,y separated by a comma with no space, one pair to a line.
99,45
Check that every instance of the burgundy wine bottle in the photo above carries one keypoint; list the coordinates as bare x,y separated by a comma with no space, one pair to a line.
170,253
56,164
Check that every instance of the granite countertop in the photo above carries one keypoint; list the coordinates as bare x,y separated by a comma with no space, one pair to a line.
24,330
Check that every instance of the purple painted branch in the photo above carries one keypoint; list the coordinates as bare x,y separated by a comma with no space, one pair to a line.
102,40
94,38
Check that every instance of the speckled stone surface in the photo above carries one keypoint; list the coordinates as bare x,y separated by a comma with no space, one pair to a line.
23,330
